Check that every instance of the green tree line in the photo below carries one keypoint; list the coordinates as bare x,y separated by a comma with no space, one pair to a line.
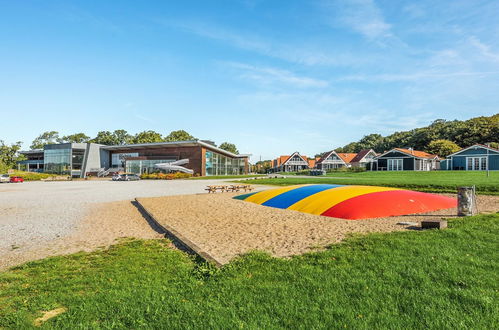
442,137
120,137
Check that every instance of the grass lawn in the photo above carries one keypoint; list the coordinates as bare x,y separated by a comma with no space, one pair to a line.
213,177
413,279
437,181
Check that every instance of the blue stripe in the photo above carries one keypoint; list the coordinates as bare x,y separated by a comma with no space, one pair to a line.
288,198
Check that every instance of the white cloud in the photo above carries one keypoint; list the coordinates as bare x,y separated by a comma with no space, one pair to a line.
273,76
485,50
300,53
415,76
362,16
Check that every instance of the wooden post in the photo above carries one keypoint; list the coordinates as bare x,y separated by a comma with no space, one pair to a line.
465,201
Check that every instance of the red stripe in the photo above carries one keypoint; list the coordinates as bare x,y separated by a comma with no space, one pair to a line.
389,203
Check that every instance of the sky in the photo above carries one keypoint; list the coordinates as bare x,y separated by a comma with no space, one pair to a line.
273,77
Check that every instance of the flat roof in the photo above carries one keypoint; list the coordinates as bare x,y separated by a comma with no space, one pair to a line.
189,143
36,151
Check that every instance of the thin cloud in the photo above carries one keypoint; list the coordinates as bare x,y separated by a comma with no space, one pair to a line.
485,50
294,53
274,76
362,16
417,76
144,118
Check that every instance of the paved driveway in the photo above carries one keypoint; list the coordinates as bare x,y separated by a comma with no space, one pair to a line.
34,212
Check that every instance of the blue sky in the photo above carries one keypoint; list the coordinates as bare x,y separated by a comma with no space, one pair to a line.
272,77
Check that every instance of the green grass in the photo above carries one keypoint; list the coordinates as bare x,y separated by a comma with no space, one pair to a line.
445,279
213,177
437,181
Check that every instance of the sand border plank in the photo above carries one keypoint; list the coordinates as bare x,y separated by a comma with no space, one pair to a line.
175,235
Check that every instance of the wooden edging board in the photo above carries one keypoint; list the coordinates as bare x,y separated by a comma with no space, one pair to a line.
175,235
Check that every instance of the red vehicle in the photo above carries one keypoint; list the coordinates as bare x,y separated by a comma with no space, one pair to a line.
16,179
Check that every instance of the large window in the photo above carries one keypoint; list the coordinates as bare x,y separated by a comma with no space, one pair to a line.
118,160
57,161
144,165
217,164
395,164
77,159
476,163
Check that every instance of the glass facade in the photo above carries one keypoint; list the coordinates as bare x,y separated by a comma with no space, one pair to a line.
57,161
77,159
144,165
118,160
217,164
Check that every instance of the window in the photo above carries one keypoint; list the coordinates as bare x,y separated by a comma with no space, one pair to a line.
217,164
57,161
145,165
395,164
476,163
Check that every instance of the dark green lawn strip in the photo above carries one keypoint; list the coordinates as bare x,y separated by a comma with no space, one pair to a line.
445,182
216,177
413,279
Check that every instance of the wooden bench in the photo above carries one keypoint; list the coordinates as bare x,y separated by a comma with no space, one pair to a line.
231,188
213,189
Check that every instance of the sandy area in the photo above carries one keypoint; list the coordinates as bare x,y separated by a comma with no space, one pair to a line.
224,227
102,227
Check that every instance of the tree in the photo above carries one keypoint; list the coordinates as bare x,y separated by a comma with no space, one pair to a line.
50,137
147,137
75,138
371,141
230,147
9,155
104,137
118,137
442,148
179,135
122,137
351,147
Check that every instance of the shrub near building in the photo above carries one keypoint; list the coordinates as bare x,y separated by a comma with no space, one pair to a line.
163,176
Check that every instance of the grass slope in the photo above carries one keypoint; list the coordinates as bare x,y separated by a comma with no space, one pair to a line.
437,181
417,279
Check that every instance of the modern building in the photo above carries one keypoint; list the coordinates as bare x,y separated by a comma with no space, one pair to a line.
83,159
475,158
334,160
399,159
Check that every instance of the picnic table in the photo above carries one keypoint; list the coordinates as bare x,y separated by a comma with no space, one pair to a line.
228,188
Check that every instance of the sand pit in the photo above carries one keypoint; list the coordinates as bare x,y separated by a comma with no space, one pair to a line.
225,228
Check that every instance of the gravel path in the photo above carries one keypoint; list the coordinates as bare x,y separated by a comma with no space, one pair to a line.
34,214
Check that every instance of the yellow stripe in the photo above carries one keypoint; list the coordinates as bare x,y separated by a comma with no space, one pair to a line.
324,200
263,196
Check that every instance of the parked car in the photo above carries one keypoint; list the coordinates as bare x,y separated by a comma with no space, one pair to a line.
116,177
4,178
128,177
16,179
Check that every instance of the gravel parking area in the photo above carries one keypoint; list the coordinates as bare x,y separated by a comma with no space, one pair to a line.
38,219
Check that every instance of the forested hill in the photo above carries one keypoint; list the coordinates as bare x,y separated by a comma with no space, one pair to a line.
441,137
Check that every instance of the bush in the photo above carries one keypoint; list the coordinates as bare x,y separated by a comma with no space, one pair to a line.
32,176
167,176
